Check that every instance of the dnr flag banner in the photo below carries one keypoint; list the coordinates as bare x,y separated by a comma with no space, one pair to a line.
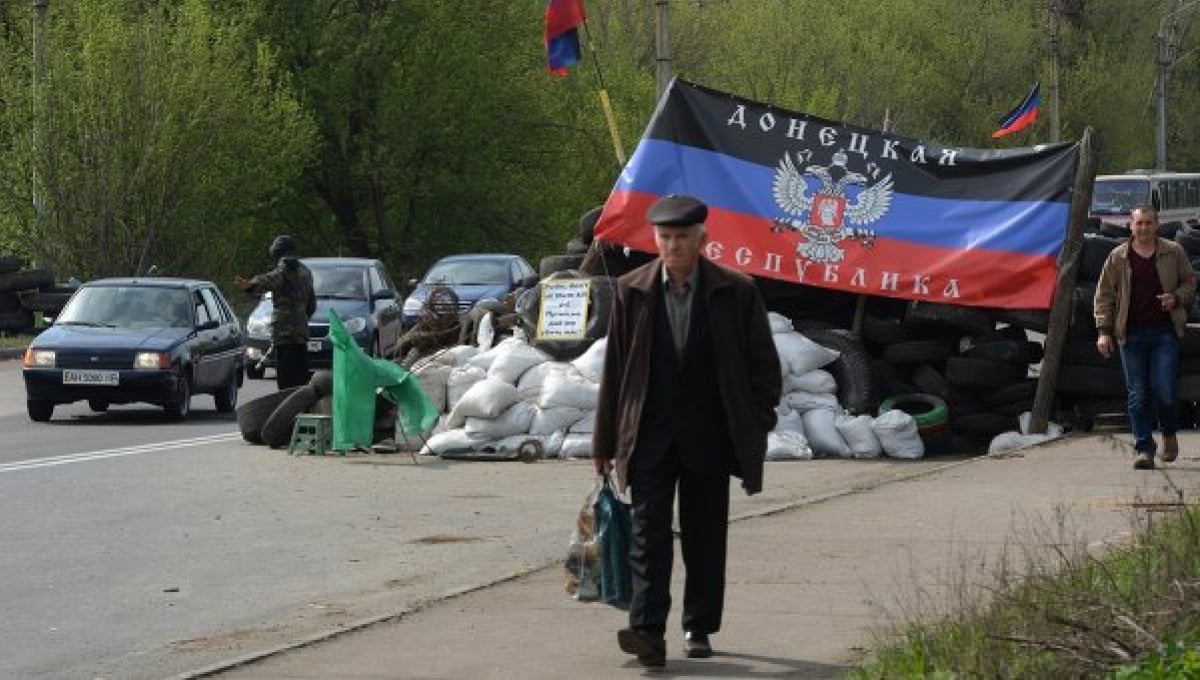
798,198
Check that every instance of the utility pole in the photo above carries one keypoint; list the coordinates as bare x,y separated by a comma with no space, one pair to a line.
40,8
1164,57
1054,95
662,47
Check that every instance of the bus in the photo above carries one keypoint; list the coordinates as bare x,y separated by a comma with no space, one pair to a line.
1176,195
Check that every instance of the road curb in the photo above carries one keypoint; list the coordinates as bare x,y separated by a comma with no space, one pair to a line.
252,657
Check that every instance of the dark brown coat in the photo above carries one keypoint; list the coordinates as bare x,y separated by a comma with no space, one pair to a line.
746,369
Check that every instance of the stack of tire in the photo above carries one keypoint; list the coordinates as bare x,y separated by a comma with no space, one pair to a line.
961,377
1188,236
25,291
600,300
593,258
576,248
269,419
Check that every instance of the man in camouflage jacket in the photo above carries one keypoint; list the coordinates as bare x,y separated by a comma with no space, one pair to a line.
291,286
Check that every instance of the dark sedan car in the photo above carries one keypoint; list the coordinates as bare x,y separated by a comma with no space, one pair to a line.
358,289
472,277
148,340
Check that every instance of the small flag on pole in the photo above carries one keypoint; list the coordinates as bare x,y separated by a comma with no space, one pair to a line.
1023,115
563,18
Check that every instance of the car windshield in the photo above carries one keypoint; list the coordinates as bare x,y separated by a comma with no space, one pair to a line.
469,272
1119,197
340,282
128,307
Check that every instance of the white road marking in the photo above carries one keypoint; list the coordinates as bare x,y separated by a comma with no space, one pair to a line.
117,453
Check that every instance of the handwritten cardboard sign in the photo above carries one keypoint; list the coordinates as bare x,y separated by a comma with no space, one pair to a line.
563,314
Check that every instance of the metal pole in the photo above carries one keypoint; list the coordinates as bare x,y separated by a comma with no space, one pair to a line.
1054,98
662,47
1160,101
40,8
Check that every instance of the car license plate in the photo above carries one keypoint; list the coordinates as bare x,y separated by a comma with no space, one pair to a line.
314,345
91,378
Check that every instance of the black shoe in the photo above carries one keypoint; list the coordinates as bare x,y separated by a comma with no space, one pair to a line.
650,650
696,645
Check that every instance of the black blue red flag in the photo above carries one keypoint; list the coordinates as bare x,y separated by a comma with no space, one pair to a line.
1023,115
563,18
798,198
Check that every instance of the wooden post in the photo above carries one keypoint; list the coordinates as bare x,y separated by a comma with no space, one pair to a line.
1068,269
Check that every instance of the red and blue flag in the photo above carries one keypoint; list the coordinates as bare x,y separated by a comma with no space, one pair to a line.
797,198
1023,115
563,18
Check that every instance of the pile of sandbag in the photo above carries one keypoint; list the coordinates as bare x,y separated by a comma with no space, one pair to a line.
494,400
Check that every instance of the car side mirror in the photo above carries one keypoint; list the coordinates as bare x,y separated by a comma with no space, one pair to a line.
208,325
384,294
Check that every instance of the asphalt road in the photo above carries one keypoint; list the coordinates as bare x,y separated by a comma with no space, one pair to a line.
136,548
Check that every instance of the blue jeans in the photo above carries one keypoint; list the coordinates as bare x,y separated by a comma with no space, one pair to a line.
1150,357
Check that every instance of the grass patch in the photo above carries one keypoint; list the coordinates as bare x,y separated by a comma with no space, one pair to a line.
14,341
1062,611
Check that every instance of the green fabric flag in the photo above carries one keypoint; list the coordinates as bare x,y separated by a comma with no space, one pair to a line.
356,377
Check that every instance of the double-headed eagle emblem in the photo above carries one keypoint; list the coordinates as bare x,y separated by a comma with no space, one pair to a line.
823,217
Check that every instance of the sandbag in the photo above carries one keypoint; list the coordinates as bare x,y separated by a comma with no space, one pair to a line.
554,419
816,380
807,401
779,323
787,420
513,360
859,436
460,379
585,425
530,384
450,441
487,398
484,359
799,355
432,379
788,446
514,420
822,434
566,387
897,432
576,446
590,364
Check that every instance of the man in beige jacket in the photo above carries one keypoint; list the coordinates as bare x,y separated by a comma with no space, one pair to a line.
1141,301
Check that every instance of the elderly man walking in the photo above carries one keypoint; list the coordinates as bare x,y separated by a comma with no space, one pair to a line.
690,385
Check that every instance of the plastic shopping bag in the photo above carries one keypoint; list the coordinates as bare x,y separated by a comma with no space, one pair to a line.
614,533
583,552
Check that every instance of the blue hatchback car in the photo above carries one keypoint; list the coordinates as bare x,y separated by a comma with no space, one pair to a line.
154,340
472,277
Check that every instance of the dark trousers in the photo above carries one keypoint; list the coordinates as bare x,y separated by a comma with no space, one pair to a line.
703,523
291,364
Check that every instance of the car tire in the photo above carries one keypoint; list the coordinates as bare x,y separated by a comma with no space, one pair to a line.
857,384
28,279
552,264
587,224
98,405
226,399
322,382
277,429
40,410
253,372
180,405
252,414
9,263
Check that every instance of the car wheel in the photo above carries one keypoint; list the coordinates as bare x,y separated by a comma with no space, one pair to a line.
253,372
277,429
98,405
252,414
226,399
39,410
181,404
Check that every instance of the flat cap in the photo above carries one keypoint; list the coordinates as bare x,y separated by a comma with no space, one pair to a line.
677,210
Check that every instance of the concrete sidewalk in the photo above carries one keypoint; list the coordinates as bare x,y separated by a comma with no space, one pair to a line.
807,585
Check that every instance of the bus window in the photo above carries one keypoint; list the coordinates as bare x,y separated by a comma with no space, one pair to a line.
1118,197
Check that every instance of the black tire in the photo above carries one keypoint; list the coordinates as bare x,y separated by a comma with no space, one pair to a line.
558,263
180,405
39,410
1189,345
1085,352
599,308
28,279
98,405
1189,238
277,429
1030,319
1093,381
917,352
322,383
587,224
885,330
253,372
576,247
930,380
1189,387
967,372
48,303
1013,408
9,302
1017,391
966,320
1113,230
9,263
252,414
226,399
16,320
1009,351
1168,230
928,410
983,425
857,384
1095,252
